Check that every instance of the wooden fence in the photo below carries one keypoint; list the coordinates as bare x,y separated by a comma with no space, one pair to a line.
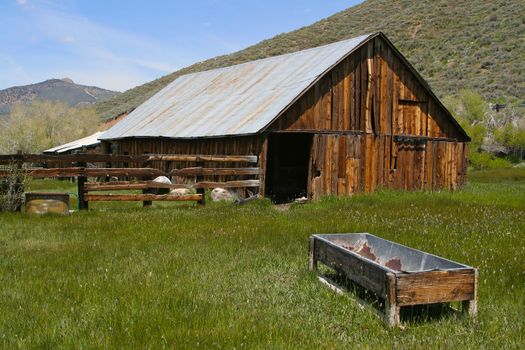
196,177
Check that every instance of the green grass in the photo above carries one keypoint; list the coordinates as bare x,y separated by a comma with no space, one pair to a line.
227,276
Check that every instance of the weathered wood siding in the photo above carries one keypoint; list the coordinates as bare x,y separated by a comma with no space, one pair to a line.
375,126
345,164
372,91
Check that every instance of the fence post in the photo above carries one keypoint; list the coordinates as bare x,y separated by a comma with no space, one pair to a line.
146,203
148,190
200,178
81,181
82,203
18,186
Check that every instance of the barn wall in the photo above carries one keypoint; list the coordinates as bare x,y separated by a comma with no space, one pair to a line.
380,128
249,145
347,164
374,126
371,91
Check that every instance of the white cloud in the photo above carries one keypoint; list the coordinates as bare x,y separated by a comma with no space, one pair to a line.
97,54
21,2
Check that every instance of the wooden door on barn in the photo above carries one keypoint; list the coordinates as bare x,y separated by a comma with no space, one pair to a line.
287,166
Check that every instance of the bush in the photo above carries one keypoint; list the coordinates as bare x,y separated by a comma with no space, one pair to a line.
483,160
12,188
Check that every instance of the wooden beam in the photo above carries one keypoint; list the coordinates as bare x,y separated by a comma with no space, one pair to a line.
202,158
128,186
89,172
109,186
123,172
141,197
109,158
207,184
213,171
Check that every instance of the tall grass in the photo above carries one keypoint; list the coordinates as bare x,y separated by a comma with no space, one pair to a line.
226,276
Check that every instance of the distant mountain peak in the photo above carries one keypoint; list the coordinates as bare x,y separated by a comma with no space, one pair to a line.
63,90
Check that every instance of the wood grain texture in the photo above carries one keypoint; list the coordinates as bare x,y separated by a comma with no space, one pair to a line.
435,287
141,197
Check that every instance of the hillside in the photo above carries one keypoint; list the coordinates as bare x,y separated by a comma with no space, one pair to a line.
479,45
64,90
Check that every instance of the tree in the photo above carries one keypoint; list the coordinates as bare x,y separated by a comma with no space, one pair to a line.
470,110
32,128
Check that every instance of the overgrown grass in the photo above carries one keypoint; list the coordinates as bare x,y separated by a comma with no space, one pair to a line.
226,276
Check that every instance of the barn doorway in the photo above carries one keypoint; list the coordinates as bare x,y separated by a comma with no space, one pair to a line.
287,167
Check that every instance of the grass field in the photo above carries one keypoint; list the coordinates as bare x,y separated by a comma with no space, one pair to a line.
227,276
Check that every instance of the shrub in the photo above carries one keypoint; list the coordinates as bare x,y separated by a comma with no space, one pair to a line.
12,188
483,160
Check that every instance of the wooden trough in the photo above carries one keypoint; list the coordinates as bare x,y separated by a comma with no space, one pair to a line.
47,202
400,275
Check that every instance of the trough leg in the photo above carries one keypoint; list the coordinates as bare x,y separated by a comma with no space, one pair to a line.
312,261
391,307
470,307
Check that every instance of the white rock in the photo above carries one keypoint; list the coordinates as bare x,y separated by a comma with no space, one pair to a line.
301,200
180,191
162,180
222,194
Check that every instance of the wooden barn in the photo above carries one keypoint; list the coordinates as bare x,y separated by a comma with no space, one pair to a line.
348,117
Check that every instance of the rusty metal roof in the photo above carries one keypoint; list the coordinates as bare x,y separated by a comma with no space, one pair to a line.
236,100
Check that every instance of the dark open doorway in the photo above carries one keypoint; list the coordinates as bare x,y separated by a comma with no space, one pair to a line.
287,167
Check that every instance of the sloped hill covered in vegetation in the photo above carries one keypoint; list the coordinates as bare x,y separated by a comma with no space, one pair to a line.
477,45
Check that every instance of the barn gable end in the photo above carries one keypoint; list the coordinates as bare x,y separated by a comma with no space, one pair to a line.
373,90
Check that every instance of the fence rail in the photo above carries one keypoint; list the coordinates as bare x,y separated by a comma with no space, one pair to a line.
188,178
110,158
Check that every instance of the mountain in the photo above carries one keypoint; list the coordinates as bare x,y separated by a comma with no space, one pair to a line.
478,45
64,90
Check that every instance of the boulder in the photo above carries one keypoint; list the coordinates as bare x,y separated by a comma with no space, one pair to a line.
162,180
222,194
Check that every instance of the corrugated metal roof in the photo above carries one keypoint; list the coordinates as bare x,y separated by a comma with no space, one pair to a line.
236,100
90,140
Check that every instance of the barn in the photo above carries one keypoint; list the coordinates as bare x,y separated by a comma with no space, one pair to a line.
352,116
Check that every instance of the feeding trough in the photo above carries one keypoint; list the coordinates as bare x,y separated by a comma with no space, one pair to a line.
47,202
400,275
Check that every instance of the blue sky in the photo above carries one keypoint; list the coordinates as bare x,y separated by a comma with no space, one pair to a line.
119,44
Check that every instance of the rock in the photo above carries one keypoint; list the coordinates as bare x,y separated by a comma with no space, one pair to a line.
520,165
301,200
162,180
222,194
180,191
